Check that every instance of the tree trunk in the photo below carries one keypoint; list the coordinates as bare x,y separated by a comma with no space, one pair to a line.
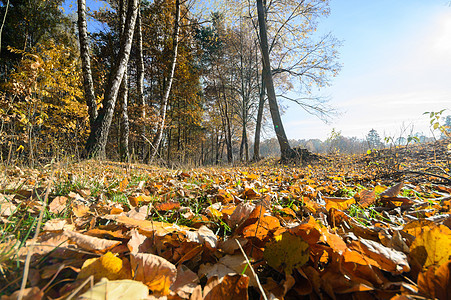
140,82
167,91
228,130
88,84
125,124
96,143
285,148
124,153
258,126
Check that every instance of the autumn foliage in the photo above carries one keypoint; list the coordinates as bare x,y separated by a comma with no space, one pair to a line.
327,230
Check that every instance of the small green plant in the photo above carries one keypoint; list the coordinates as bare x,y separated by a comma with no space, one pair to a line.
435,124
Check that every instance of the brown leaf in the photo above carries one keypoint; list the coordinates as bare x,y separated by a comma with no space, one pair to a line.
436,283
240,214
367,198
376,254
138,242
229,264
140,213
261,228
392,191
58,205
185,282
154,271
310,232
91,243
338,203
123,185
6,207
56,225
230,288
80,210
170,205
32,293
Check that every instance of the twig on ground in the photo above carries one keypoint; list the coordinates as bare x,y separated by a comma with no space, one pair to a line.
253,271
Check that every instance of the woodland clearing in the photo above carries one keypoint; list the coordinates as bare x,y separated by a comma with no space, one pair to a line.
373,226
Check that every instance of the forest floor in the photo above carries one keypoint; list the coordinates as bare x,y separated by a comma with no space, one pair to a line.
373,226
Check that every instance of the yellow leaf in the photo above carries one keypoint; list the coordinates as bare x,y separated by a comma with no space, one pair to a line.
123,184
286,251
108,266
118,289
432,247
338,203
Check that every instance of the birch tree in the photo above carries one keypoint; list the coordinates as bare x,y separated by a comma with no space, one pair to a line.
167,89
96,143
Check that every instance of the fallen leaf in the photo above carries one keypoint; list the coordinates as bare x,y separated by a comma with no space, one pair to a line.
116,290
32,293
338,203
436,282
154,271
367,198
58,205
7,208
108,266
166,206
140,213
376,254
228,264
432,247
185,282
90,243
286,252
123,185
55,225
230,288
392,191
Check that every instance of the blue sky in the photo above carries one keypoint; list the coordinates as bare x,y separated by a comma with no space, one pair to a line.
396,58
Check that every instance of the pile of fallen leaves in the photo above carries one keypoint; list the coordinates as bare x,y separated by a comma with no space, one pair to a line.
333,230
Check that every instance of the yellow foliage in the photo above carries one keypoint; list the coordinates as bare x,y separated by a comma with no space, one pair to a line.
432,247
286,252
108,266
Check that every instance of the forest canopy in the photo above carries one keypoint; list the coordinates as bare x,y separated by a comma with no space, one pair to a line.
158,81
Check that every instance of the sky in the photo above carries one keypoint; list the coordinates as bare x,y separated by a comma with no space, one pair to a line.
396,57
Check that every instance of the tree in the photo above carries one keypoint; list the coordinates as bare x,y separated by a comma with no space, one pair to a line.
373,139
96,143
88,84
27,23
170,78
300,62
285,148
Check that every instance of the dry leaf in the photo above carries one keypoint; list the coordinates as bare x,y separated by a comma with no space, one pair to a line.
108,266
286,252
154,271
392,191
230,288
7,208
58,205
116,290
436,282
377,255
432,247
91,243
367,198
185,282
32,293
